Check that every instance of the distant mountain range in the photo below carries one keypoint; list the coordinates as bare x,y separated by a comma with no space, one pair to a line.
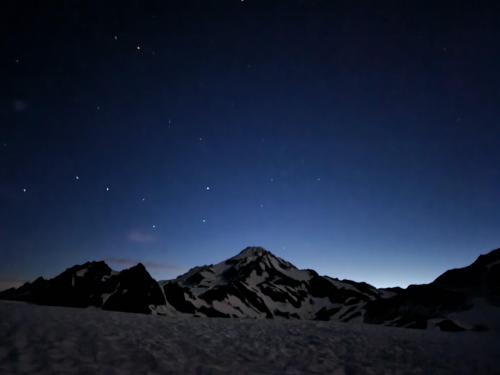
257,284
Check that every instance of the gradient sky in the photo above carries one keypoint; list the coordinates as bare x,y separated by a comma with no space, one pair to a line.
360,141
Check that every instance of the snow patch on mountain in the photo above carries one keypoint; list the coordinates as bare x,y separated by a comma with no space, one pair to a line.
257,284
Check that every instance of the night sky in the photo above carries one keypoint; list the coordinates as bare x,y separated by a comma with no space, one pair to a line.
362,141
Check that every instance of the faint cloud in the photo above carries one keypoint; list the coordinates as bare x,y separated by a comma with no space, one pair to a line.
140,237
19,105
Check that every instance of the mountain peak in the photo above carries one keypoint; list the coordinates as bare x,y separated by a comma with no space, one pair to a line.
252,251
138,267
257,254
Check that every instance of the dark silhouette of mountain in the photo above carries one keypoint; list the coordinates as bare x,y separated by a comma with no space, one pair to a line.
93,284
481,278
257,284
454,291
135,291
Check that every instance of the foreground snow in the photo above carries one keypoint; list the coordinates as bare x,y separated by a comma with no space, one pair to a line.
56,340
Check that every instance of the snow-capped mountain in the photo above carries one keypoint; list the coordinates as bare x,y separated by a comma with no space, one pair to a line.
257,284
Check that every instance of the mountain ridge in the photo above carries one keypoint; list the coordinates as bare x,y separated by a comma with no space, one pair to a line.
255,283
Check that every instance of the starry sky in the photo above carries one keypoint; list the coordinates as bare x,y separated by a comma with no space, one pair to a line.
360,140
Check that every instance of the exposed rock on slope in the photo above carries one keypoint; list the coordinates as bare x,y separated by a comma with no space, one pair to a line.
135,291
257,284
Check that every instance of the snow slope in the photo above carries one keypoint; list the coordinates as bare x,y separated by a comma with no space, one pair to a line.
62,340
257,284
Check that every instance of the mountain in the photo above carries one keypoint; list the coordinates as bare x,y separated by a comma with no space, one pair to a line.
93,284
474,287
257,284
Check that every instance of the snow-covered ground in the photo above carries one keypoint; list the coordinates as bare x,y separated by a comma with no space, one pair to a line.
58,340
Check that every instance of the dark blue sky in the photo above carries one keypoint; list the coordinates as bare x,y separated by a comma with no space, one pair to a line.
360,141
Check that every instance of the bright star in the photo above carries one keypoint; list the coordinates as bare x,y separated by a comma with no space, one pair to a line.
107,188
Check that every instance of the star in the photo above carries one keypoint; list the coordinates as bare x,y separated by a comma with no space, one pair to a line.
115,37
271,179
98,108
107,188
200,139
77,178
318,179
203,220
25,190
207,188
154,226
138,48
143,199
261,205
